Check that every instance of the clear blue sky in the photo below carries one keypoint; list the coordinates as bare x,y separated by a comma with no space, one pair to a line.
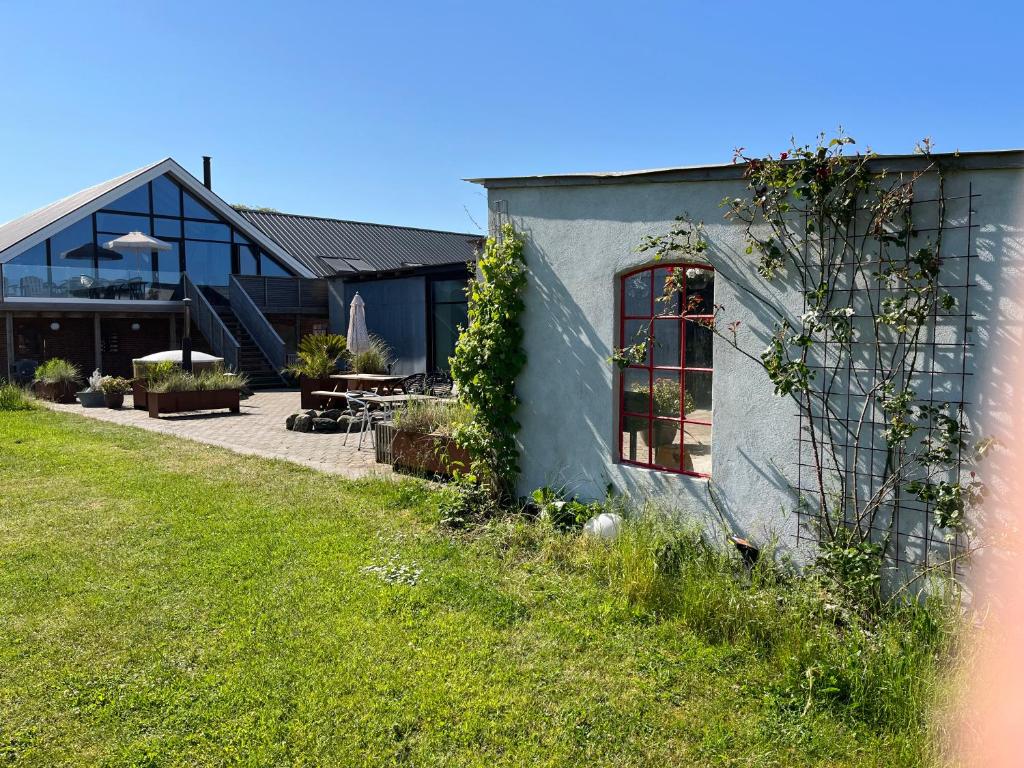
375,111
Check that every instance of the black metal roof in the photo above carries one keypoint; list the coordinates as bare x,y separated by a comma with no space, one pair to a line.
331,247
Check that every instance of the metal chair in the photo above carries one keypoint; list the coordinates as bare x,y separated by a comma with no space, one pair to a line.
438,384
414,384
360,410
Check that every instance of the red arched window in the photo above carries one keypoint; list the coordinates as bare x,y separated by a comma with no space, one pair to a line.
665,399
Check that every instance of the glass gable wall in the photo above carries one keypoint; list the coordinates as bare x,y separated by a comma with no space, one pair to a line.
74,264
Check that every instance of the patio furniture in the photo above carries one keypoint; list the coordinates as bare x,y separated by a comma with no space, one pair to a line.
438,384
360,410
32,286
414,384
378,381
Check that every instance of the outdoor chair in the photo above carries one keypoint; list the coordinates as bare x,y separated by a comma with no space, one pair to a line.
438,384
24,371
360,411
414,385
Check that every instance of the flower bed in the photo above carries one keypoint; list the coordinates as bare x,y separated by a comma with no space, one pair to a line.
428,452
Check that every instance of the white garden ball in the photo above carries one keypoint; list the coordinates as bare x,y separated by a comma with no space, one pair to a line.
604,526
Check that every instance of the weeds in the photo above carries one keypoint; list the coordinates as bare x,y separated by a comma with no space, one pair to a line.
879,668
14,398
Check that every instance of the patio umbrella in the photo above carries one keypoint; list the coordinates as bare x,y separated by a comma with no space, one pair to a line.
358,336
136,242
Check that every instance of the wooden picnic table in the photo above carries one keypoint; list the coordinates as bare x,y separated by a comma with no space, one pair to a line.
380,381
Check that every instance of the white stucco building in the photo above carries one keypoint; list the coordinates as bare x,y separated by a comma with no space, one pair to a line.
586,295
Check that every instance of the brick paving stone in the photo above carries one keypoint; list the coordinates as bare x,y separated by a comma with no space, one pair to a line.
258,430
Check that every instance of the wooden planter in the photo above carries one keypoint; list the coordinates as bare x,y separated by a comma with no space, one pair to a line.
307,386
58,392
428,453
139,394
179,402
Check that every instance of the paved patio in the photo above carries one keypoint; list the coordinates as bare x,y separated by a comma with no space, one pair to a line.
258,430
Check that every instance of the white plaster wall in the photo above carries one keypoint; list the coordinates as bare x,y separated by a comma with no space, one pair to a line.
580,238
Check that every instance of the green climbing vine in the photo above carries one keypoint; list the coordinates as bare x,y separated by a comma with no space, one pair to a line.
488,357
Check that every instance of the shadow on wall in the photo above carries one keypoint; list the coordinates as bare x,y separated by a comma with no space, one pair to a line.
569,379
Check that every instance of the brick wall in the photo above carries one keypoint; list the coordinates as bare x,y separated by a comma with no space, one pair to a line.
34,339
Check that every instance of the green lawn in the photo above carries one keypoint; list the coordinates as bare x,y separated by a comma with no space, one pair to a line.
165,603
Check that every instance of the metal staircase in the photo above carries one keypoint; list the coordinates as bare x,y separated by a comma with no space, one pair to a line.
251,360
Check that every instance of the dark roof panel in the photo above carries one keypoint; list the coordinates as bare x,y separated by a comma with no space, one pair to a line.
334,246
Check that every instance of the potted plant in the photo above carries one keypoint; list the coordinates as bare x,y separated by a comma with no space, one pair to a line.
317,359
56,380
666,403
114,389
422,439
92,396
146,375
204,391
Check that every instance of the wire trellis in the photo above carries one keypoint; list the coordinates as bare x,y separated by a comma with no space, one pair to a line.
935,364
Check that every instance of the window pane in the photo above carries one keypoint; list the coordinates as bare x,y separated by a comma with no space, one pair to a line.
698,345
666,343
196,210
73,255
168,275
697,448
208,263
25,274
166,199
202,230
120,224
665,444
635,445
449,290
239,237
636,386
270,267
666,394
136,201
637,298
248,260
635,332
666,305
698,395
700,291
448,319
167,227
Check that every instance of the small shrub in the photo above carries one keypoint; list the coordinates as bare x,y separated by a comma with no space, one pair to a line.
14,398
57,371
152,373
115,385
464,502
376,358
318,355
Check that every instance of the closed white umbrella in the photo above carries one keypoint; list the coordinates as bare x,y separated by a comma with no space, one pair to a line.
358,336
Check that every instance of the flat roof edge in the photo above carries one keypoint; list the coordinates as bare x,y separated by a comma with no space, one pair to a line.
973,161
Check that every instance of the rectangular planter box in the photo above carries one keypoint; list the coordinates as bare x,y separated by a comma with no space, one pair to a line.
428,453
307,386
139,395
178,402
59,392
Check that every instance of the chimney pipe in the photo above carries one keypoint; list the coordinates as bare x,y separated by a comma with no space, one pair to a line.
207,178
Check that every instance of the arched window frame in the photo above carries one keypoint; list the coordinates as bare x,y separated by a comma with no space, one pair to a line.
628,452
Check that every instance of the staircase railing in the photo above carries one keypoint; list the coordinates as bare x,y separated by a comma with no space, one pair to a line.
256,323
208,321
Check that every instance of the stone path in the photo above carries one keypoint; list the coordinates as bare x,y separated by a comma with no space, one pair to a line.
258,430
